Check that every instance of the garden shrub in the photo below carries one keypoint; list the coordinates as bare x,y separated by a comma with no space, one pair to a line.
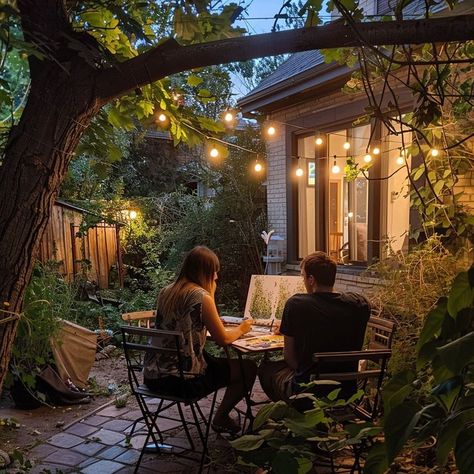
412,285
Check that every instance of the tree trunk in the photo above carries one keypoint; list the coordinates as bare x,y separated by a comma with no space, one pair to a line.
59,108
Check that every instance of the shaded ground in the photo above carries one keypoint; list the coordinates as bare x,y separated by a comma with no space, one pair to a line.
42,423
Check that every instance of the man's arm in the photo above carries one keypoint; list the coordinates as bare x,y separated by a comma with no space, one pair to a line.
289,352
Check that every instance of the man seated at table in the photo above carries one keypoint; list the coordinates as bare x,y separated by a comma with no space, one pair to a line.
322,320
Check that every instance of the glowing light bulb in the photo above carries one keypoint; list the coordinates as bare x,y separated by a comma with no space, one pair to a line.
350,215
162,118
400,160
368,158
335,168
271,131
376,151
319,141
229,116
214,153
299,171
133,214
258,167
346,146
434,152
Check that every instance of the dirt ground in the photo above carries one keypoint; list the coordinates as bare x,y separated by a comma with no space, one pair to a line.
42,423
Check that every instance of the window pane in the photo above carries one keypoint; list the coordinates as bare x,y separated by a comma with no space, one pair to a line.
306,197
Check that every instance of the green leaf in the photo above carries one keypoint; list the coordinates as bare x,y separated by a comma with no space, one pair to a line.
398,426
247,442
397,389
433,323
458,353
464,451
461,294
194,81
377,462
449,433
284,463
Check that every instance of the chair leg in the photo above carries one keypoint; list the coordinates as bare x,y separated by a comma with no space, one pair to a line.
185,426
197,421
206,436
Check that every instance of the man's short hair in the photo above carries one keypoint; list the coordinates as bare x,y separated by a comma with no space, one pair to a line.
321,266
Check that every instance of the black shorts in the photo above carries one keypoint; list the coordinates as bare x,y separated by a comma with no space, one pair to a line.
217,375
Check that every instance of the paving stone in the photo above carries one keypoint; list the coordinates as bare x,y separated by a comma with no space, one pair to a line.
113,412
112,452
128,457
89,448
103,466
135,442
87,462
117,425
65,440
67,457
131,415
108,437
43,467
166,425
81,429
138,428
96,420
42,451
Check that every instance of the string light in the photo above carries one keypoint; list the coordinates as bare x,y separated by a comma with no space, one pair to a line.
376,151
214,153
132,214
258,166
319,141
346,145
350,215
434,152
335,167
228,116
368,158
400,160
271,130
299,171
162,118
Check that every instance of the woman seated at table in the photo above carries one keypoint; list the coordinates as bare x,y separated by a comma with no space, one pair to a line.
188,305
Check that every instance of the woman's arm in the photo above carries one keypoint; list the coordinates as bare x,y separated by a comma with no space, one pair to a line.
221,335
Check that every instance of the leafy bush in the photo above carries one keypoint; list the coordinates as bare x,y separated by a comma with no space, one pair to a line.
286,440
446,350
412,284
48,299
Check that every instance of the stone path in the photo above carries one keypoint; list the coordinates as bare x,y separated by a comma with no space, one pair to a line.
100,443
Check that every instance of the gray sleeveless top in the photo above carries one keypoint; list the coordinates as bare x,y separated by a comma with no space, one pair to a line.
186,318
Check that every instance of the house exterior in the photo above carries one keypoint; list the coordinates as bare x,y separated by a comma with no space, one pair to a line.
314,134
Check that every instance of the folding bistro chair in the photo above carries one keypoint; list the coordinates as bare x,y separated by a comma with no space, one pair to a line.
359,410
136,343
142,319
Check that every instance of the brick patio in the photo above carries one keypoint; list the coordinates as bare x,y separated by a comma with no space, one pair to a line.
100,443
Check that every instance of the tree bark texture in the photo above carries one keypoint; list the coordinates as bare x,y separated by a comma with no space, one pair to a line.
59,108
67,92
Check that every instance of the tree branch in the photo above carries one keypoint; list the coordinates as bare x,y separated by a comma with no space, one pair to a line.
170,58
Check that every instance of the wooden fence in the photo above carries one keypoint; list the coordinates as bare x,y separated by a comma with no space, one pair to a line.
96,253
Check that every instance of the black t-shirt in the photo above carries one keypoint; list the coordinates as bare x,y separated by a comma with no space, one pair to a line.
325,322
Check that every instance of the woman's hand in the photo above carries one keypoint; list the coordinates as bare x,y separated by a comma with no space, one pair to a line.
246,325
